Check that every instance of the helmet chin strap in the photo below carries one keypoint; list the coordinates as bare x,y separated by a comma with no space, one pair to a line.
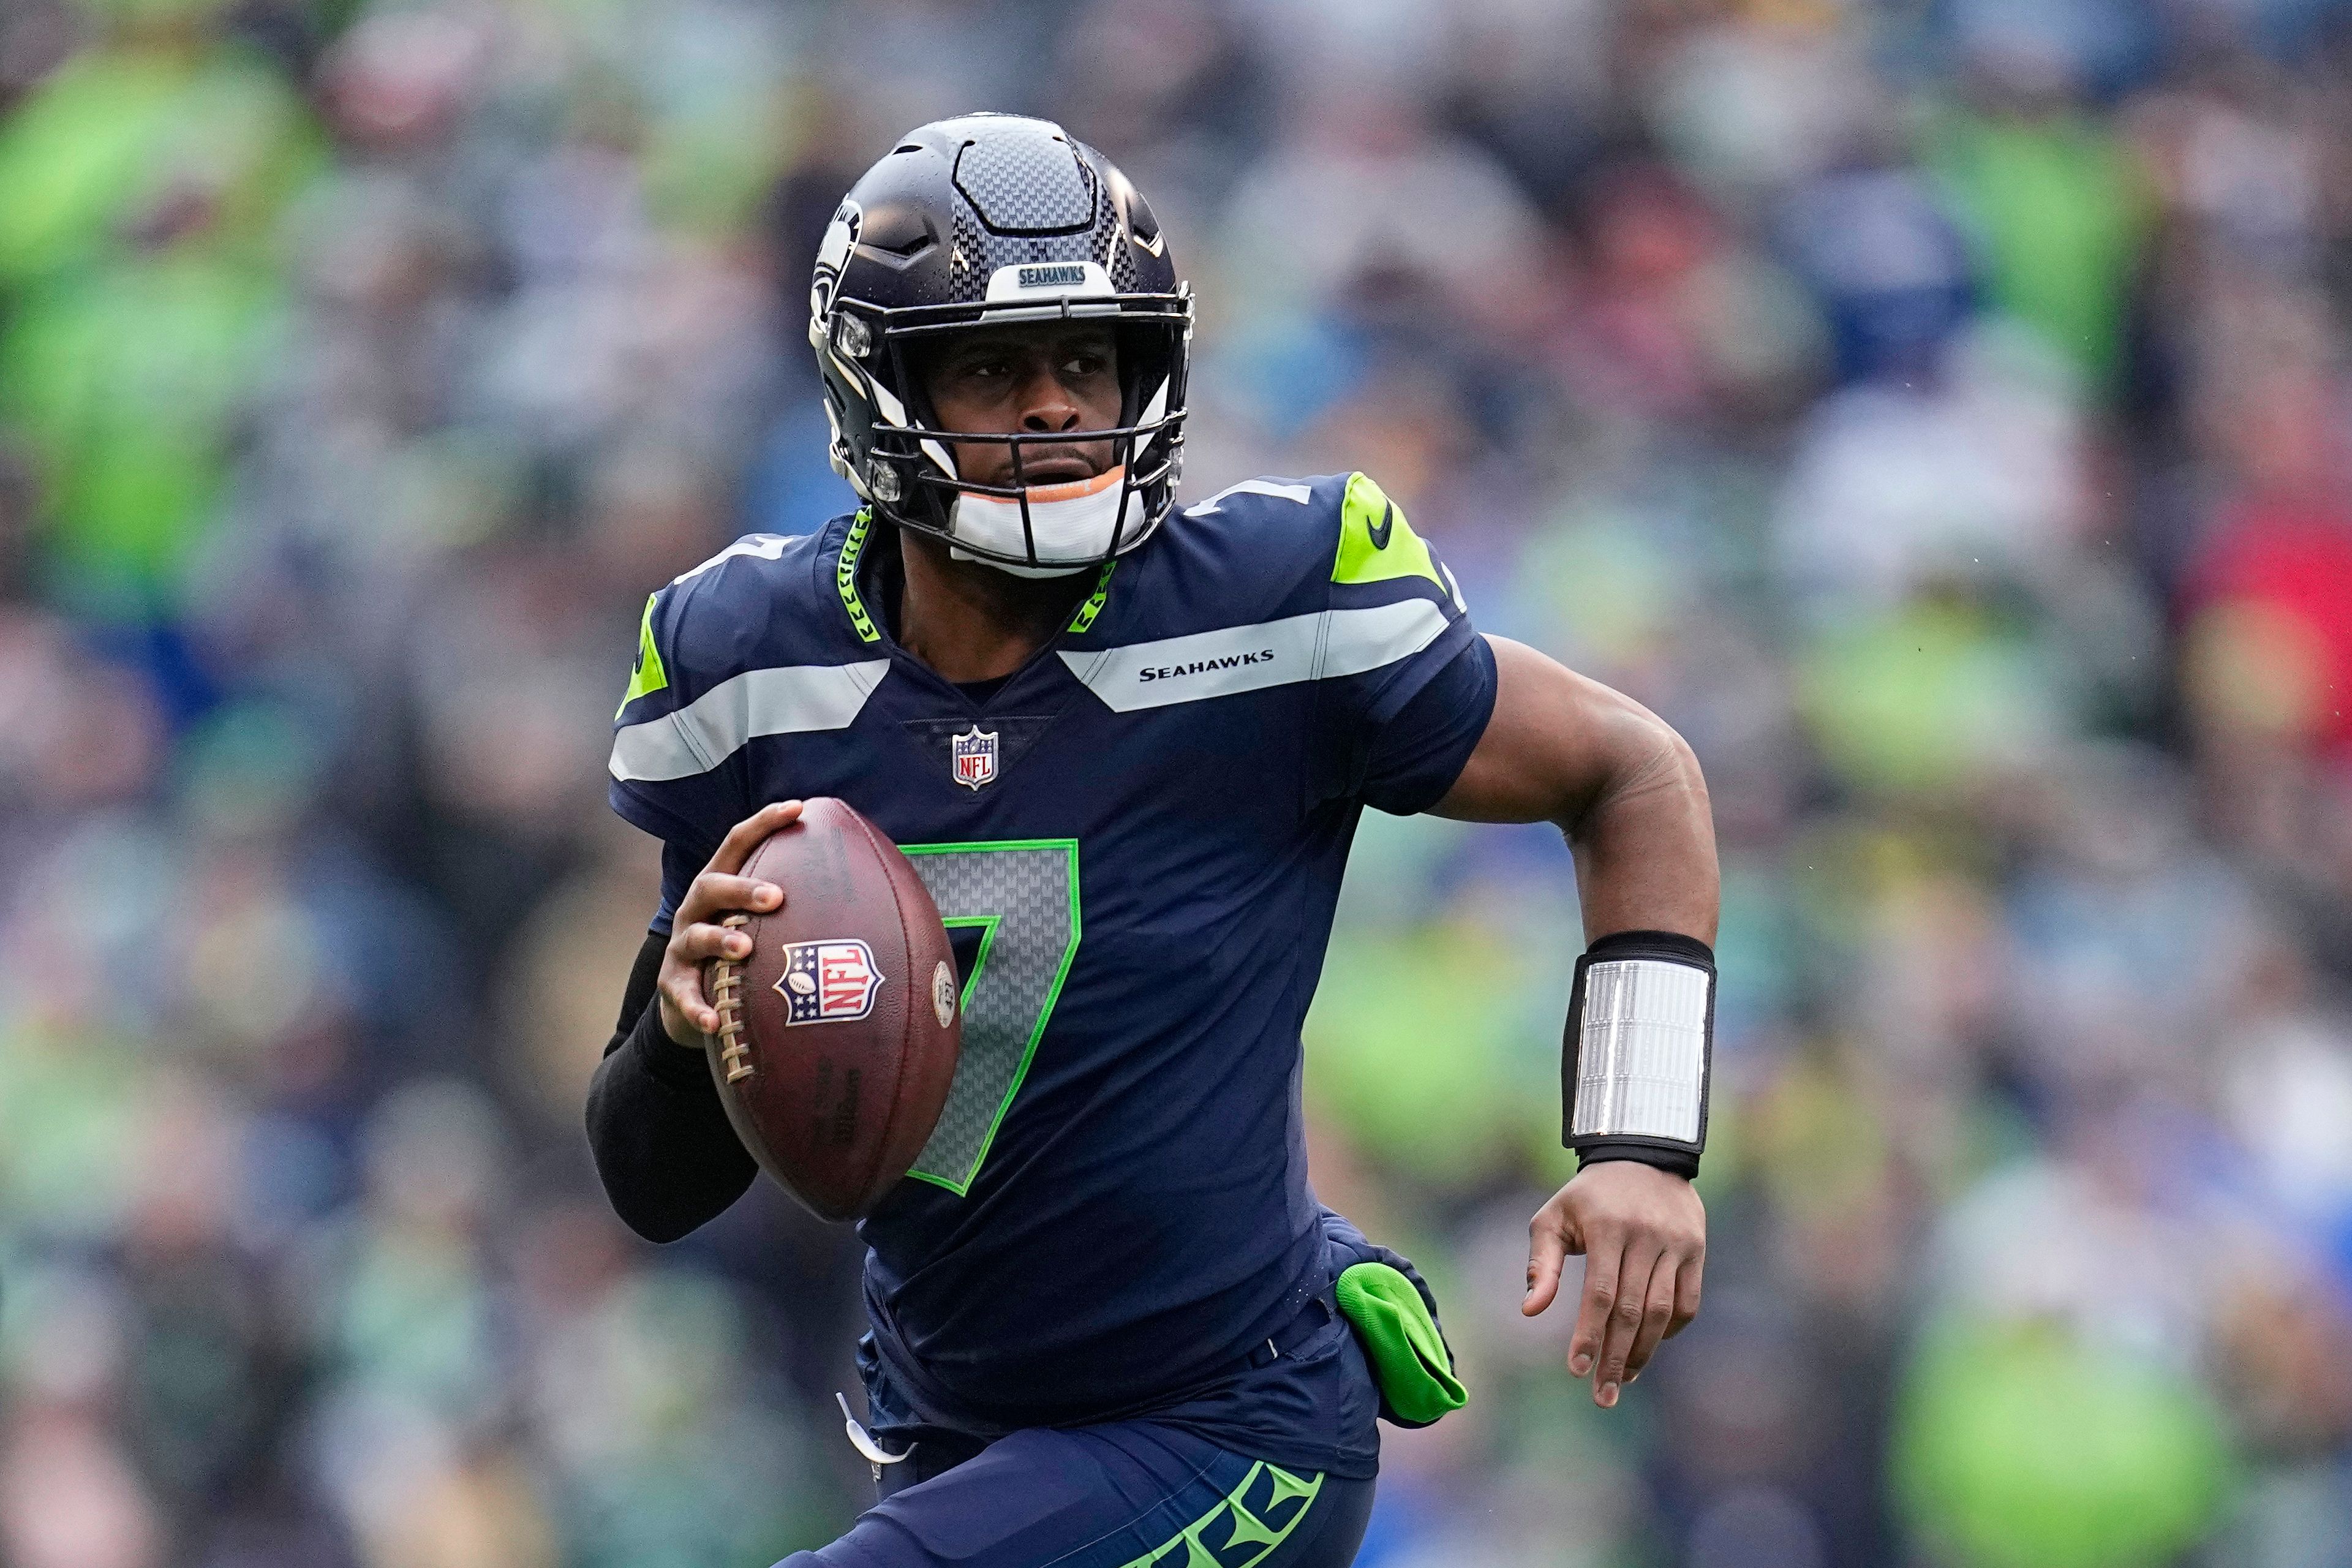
1074,525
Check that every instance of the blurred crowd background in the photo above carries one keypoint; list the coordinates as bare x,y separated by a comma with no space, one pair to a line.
1938,410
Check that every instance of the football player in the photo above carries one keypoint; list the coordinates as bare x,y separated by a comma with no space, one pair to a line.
1125,746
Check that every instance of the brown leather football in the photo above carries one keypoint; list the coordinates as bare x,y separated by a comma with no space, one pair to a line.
838,1035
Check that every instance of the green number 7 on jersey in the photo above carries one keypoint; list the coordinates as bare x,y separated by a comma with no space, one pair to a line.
1023,897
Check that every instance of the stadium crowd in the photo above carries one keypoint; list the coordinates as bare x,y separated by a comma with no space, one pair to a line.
1938,411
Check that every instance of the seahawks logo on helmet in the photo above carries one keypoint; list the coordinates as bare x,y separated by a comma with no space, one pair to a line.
840,239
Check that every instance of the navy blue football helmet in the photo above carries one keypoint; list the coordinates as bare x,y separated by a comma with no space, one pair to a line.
990,220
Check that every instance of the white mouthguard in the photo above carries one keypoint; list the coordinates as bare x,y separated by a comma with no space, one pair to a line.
1074,524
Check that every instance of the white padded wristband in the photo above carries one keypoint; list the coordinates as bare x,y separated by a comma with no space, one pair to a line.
1640,1055
1640,1038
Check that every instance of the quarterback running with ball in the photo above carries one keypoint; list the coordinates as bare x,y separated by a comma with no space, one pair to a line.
1128,744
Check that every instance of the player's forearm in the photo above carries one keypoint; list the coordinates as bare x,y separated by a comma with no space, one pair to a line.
668,1159
1644,845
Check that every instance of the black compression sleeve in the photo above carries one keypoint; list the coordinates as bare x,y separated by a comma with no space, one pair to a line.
645,974
668,1159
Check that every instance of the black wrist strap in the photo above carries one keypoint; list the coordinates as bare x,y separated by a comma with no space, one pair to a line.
1677,1162
1666,944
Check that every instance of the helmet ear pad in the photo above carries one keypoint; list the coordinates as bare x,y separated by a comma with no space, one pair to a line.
875,428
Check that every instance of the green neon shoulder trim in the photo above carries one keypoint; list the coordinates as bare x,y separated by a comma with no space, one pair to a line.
1247,1526
845,577
1410,1361
1376,543
649,675
1096,600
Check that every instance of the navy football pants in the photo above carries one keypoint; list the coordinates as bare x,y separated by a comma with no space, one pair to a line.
1127,1494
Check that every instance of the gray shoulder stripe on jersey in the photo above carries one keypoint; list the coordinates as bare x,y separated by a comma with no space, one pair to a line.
1299,493
767,546
1234,659
714,726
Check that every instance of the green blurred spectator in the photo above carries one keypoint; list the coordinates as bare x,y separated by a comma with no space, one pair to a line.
128,381
1436,1046
2017,1447
120,147
2059,209
1929,697
141,188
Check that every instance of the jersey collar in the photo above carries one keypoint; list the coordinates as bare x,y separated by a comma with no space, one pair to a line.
862,581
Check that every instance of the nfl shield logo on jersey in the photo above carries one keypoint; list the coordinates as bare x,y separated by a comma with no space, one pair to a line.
828,982
974,755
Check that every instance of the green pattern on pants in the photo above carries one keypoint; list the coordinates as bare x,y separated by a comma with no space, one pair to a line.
1245,1528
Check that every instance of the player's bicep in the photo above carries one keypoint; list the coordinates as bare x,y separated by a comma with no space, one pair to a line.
1556,743
1416,756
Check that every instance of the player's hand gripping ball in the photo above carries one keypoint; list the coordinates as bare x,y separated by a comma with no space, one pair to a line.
834,1039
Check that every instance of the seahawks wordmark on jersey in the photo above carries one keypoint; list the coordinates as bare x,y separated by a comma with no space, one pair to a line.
1136,843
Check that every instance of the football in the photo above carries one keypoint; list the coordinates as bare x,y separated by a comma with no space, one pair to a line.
838,1035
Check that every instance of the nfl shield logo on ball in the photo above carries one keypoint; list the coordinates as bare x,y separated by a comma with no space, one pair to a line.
975,755
827,982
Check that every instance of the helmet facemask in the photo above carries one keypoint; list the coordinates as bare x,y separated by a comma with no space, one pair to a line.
910,475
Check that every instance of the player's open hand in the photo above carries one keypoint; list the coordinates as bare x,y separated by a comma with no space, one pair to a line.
1642,1232
695,935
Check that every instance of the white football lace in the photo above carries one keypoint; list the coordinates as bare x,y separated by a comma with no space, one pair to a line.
733,1050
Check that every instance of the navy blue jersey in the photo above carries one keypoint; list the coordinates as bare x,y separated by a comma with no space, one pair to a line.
1137,842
